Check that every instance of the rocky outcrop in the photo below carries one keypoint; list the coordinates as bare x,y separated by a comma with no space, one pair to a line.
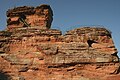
34,53
40,16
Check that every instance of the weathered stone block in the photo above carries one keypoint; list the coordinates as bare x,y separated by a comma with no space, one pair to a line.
25,16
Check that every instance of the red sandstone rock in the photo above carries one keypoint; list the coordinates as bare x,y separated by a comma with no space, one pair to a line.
32,53
30,17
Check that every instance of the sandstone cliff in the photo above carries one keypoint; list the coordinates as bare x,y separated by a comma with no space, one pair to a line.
36,52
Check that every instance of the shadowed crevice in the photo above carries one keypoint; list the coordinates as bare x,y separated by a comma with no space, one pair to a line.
4,76
90,42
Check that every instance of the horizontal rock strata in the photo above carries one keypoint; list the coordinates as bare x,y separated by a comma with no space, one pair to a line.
47,52
40,16
34,53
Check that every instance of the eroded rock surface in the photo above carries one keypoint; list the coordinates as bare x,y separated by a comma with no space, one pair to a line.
40,16
34,53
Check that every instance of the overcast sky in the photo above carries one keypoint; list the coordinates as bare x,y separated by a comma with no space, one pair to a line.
69,14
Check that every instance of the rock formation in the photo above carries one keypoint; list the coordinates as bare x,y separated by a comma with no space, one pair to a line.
36,52
41,17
